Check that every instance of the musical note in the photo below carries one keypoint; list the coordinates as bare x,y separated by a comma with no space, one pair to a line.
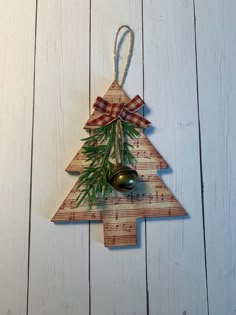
71,204
147,155
94,215
116,200
117,215
150,198
136,143
127,227
139,142
161,186
142,154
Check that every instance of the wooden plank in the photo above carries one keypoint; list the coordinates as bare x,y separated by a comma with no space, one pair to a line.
175,248
59,253
216,33
117,275
17,20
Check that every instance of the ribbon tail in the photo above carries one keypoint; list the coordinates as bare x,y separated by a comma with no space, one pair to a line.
144,123
102,105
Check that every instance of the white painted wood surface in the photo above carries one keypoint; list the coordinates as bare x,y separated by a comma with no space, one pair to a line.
175,251
70,270
59,269
17,21
216,43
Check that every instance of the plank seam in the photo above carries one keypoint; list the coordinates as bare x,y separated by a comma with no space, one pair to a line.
145,221
31,155
200,152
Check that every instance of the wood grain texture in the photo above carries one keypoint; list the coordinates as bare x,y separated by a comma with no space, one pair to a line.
175,252
120,211
17,20
126,286
216,34
59,254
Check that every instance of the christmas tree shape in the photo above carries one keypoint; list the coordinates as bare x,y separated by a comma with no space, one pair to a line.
120,211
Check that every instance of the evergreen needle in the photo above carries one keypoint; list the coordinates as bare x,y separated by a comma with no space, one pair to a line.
99,148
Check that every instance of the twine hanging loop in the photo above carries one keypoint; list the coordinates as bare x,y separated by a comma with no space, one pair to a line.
129,55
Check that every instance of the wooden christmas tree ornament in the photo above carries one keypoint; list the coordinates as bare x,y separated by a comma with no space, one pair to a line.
117,167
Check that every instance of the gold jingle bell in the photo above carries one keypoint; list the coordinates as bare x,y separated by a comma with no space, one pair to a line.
124,178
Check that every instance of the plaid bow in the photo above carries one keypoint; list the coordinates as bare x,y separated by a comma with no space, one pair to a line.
126,112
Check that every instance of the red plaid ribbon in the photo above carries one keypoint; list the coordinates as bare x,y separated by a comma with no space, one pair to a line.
126,112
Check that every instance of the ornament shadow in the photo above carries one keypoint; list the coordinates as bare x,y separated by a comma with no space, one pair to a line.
150,130
164,172
186,217
146,110
71,223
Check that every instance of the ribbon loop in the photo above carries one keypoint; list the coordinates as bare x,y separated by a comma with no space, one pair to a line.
135,104
126,112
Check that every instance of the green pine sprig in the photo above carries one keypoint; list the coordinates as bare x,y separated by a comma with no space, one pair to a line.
99,150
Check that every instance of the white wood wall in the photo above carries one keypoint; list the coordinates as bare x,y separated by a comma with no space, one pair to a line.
55,58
